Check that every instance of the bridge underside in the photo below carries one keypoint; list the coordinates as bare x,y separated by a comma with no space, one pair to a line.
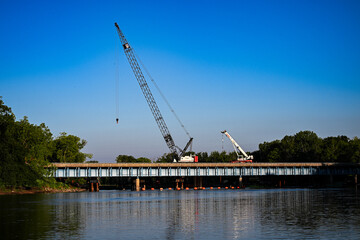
203,169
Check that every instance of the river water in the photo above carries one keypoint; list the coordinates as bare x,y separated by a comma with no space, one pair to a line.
169,214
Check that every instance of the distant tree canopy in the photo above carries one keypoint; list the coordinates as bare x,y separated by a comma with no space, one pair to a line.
131,159
306,146
67,149
166,158
25,149
92,161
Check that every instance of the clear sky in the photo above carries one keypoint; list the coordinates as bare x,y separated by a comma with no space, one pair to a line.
259,69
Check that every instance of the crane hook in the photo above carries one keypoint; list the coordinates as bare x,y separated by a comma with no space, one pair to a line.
117,121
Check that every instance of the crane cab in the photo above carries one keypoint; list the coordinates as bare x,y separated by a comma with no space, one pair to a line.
188,159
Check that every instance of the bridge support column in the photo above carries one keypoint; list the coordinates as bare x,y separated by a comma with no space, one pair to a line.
198,182
356,179
331,179
281,183
137,184
93,185
180,180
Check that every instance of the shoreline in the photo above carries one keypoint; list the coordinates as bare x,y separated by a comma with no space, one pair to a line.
34,191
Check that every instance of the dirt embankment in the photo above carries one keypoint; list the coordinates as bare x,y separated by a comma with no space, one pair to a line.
45,190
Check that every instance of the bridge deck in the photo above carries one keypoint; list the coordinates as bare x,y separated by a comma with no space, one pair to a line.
201,169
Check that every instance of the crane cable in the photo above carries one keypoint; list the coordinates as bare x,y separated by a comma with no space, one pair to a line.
222,141
117,80
162,95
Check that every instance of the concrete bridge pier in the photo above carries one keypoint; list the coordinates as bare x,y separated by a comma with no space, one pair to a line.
179,180
93,185
356,179
137,184
281,182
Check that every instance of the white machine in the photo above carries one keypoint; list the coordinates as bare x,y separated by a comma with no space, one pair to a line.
242,156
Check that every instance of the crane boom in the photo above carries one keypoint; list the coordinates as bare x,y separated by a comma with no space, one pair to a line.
237,146
146,91
149,97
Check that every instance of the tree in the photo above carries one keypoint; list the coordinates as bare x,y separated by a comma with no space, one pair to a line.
215,156
203,156
232,156
143,160
24,150
167,157
355,150
67,149
8,161
131,159
274,155
307,146
269,151
287,149
34,144
125,159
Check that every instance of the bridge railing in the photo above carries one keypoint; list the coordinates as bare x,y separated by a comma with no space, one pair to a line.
202,169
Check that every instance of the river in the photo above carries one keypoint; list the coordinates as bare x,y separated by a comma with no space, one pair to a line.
169,214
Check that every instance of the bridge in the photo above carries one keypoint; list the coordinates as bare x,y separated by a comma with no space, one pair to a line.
91,170
193,173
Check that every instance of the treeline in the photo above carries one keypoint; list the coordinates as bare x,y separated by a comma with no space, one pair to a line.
168,157
131,159
25,149
306,146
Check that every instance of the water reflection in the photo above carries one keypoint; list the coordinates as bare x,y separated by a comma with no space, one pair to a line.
210,214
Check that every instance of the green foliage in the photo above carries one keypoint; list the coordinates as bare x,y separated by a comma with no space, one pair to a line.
125,159
166,158
25,150
355,150
306,146
67,149
202,156
131,159
76,182
144,160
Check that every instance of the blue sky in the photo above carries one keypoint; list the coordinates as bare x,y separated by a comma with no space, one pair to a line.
259,69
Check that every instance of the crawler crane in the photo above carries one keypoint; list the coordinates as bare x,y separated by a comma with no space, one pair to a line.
175,150
242,156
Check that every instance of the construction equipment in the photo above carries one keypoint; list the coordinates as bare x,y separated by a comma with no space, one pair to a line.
242,156
176,151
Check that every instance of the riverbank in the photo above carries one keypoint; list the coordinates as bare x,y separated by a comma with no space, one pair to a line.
39,190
